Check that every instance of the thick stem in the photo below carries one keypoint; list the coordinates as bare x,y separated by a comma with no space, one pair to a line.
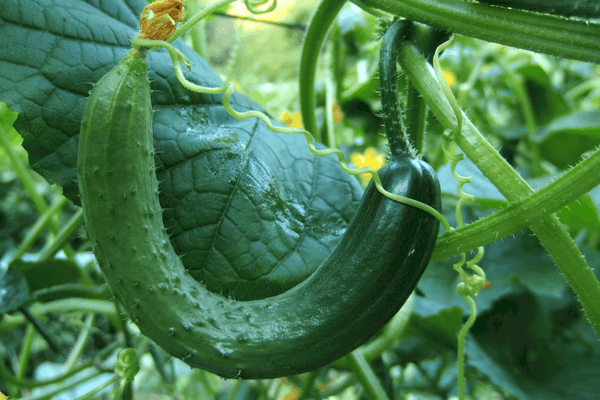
541,33
519,215
314,38
366,376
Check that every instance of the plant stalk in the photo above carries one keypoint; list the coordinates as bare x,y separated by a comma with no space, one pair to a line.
541,33
549,230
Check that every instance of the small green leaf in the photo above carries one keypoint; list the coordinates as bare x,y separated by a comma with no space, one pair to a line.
580,215
7,119
13,291
563,141
45,274
546,102
7,116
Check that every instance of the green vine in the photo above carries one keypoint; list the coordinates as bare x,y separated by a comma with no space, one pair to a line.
470,285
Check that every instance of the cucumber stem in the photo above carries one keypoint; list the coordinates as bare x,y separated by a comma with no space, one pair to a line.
393,118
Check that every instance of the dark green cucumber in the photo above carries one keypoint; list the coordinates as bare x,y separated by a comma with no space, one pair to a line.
565,8
354,293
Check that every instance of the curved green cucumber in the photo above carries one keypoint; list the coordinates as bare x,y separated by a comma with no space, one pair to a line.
354,293
565,8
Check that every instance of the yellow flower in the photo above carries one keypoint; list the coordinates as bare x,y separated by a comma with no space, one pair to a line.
337,112
295,120
159,19
292,120
238,88
449,77
369,159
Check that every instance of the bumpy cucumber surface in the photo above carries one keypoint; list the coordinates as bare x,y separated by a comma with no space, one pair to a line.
565,8
354,293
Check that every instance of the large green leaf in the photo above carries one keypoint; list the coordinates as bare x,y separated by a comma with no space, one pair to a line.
241,202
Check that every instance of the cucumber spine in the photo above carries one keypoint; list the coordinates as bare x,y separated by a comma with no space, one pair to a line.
354,293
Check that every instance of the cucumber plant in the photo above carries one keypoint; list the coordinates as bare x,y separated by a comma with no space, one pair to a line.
356,290
466,138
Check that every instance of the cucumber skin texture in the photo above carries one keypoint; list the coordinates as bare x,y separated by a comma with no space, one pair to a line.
353,294
565,8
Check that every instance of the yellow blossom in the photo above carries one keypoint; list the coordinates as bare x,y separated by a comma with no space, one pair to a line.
369,159
292,120
449,77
